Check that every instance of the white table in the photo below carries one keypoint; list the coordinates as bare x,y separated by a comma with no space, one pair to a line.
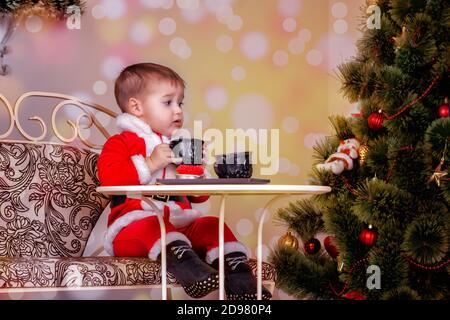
276,191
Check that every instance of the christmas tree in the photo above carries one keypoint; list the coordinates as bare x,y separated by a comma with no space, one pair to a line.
387,215
48,8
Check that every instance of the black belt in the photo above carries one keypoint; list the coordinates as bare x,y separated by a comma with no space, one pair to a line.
118,200
166,198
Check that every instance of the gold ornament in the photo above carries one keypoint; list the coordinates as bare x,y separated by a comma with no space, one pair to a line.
288,241
438,173
363,150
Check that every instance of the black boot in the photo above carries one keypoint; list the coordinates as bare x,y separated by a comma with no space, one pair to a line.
197,278
240,283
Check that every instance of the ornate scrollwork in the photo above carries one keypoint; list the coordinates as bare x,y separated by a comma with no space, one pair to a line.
48,199
91,272
86,108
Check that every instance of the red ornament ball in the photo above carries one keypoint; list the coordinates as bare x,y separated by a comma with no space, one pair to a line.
443,111
375,121
330,247
368,236
312,246
190,169
354,295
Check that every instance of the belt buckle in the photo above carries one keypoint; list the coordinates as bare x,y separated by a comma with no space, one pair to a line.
163,198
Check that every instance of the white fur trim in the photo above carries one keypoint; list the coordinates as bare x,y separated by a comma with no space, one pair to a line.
142,169
184,217
170,237
233,246
128,122
159,205
120,223
174,207
178,217
151,141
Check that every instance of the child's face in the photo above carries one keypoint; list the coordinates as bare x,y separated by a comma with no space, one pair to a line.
162,107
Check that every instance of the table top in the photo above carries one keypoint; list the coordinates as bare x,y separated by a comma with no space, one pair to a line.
203,189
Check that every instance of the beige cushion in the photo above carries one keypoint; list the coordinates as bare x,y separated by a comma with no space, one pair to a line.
89,272
48,201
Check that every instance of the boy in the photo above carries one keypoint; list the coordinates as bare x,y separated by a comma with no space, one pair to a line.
151,98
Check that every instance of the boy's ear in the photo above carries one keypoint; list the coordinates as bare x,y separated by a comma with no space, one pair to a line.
134,107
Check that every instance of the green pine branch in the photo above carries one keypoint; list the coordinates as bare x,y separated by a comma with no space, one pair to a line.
302,276
402,69
304,217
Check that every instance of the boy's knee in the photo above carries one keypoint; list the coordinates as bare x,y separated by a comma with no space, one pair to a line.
130,248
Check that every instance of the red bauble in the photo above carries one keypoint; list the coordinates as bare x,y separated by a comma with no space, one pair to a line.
375,121
354,295
443,111
330,247
312,246
368,236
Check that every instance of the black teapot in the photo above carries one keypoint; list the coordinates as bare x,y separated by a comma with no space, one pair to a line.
234,165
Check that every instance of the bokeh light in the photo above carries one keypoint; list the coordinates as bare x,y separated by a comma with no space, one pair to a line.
216,97
252,111
269,66
254,45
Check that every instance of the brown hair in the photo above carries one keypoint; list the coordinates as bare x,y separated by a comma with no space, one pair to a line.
133,81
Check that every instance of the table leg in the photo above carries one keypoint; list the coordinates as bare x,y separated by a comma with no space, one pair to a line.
162,226
260,230
221,248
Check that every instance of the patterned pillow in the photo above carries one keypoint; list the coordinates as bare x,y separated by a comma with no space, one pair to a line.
48,202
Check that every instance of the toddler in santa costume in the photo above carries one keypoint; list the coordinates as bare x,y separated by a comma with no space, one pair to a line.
151,98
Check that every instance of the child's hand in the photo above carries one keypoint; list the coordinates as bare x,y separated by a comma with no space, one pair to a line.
160,158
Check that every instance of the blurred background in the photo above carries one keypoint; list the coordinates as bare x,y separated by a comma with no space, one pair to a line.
248,64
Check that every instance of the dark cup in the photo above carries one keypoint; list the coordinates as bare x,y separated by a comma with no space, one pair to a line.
191,150
234,165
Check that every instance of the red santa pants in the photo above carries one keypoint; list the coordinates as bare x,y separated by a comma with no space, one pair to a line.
141,238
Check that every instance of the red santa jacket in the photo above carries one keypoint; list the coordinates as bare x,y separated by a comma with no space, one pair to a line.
122,162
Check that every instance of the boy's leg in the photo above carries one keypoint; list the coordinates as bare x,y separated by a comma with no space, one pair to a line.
142,238
240,282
